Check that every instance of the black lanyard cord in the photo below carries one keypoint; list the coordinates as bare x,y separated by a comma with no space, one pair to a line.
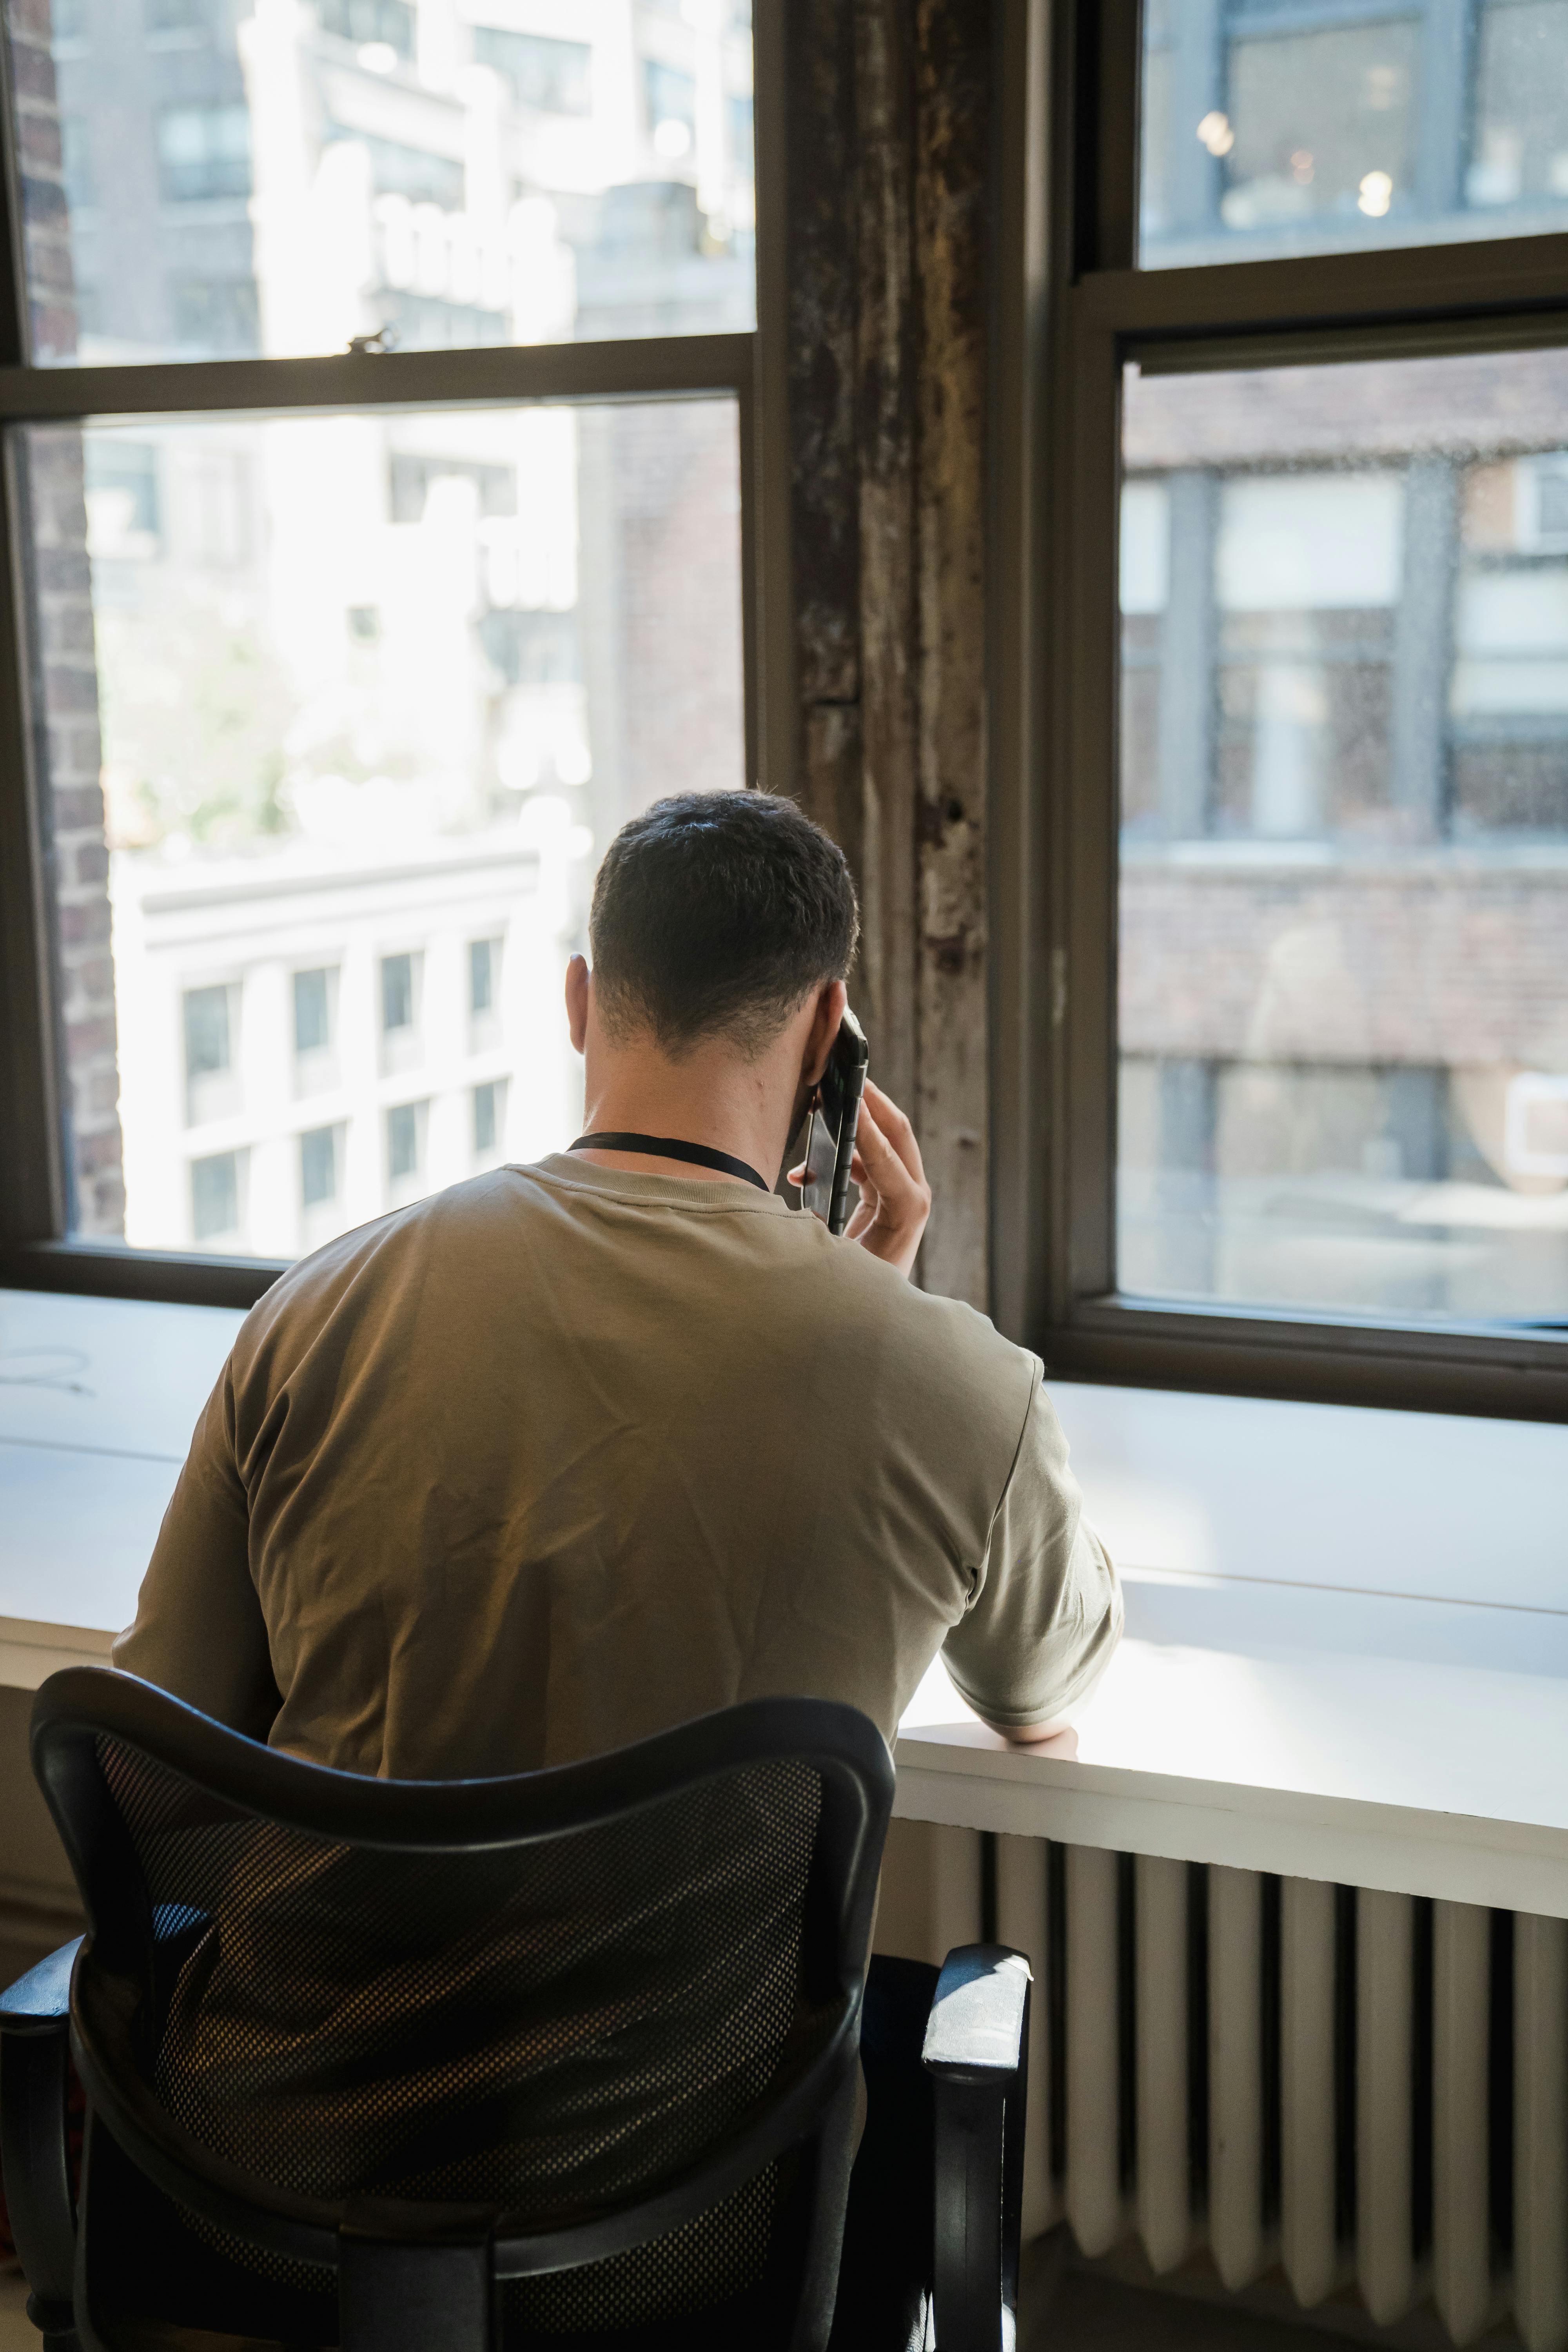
669,1147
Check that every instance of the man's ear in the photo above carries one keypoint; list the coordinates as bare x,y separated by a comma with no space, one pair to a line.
830,1003
577,1000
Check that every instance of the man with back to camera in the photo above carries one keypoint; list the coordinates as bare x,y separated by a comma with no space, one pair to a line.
569,1454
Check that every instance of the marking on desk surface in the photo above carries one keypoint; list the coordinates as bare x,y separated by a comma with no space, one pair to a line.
1205,1578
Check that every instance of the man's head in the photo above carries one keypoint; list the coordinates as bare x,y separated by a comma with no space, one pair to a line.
718,915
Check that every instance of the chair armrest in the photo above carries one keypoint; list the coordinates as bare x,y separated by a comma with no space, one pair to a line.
40,2001
976,2052
35,2056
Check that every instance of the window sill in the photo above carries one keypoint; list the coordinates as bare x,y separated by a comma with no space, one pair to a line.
1347,1629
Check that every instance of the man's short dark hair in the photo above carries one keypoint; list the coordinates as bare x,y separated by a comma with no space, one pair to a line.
718,913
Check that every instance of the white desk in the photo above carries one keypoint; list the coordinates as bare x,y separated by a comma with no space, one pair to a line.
1347,1652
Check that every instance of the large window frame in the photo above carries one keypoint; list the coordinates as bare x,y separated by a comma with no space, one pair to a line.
1074,309
37,1250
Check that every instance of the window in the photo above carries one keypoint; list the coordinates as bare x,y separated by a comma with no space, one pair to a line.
356,122
311,1024
215,1215
489,1122
317,1167
671,100
397,993
212,1080
204,151
347,672
484,958
424,175
1310,616
405,1127
373,23
1312,129
553,75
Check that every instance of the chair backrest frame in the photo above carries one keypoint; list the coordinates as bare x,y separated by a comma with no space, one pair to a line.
120,1981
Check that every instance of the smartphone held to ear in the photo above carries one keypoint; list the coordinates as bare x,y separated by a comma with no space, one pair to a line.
833,1118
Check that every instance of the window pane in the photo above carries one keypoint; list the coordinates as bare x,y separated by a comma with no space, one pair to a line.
205,180
1270,129
1344,808
310,871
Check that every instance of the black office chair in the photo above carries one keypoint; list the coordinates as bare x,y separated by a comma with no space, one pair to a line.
566,2058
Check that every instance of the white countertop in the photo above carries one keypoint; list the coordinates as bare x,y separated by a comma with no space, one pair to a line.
1347,1649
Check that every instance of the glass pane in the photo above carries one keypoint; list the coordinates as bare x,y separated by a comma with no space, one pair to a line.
1344,865
340,712
222,178
1270,128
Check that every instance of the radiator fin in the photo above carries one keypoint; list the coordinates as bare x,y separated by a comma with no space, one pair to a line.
1356,2085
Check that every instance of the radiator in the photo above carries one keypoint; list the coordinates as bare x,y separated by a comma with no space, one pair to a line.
1351,2087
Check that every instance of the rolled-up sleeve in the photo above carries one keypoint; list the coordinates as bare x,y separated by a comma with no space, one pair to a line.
1045,1613
198,1630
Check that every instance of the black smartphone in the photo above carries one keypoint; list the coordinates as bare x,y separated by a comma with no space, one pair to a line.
835,1117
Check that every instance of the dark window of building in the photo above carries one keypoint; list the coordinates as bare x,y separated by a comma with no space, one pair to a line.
312,1013
410,478
215,1196
484,957
204,151
122,482
364,624
397,992
670,97
207,1041
552,75
317,1167
367,23
487,1117
402,1141
399,169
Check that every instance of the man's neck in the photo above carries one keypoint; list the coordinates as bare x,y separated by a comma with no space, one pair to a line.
716,1101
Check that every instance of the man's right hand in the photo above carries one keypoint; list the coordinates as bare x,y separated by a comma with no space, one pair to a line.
895,1198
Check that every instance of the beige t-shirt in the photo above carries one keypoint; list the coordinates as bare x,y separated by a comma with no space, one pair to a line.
566,1455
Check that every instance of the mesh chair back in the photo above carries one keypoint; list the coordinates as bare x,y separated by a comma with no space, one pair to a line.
551,1997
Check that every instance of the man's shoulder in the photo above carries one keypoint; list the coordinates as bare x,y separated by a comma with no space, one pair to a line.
940,1351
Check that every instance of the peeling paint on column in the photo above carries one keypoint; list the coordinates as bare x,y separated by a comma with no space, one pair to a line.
953,118
889,113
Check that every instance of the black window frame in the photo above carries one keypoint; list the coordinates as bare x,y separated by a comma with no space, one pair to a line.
1080,308
38,1250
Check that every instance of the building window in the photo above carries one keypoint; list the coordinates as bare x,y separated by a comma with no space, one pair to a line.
204,151
489,1121
317,1167
1325,697
405,1125
397,993
396,168
264,731
1323,130
214,1198
484,967
212,1080
371,24
670,97
552,75
124,509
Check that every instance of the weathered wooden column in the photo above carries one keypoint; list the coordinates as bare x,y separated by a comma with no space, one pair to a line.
889,120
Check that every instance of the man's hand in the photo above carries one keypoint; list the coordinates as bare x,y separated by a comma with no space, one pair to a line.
895,1198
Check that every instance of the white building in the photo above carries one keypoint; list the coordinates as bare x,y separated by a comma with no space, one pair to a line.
307,1041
